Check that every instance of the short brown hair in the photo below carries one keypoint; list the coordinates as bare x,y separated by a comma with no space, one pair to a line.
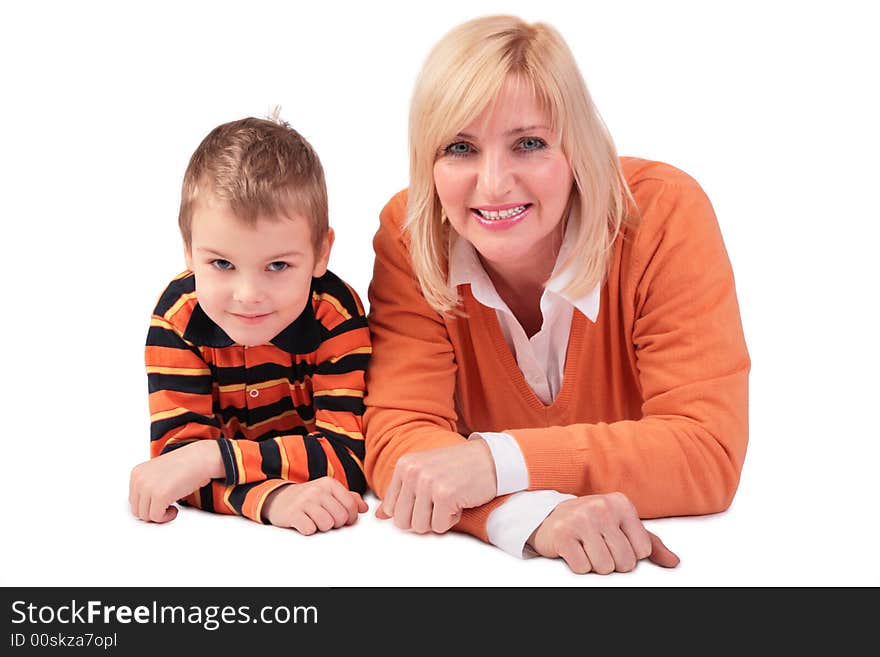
261,168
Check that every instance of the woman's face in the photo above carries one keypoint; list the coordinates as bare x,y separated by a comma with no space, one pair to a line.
504,183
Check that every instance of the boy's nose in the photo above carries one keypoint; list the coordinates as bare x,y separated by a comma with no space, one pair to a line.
247,292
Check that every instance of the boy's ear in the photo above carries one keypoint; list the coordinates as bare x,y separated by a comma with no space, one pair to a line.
322,258
187,256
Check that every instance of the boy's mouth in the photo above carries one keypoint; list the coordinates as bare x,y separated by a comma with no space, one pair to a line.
250,318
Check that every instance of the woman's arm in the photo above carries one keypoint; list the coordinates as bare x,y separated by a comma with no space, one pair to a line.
411,377
685,455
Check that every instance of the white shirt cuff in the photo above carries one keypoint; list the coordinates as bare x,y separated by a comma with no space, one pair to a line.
510,525
510,465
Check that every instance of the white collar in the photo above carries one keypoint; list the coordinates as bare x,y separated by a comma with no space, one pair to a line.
465,268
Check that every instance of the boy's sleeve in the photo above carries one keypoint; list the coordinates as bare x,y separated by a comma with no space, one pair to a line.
245,500
335,447
179,380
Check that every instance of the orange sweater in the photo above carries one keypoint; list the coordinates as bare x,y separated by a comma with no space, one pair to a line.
654,400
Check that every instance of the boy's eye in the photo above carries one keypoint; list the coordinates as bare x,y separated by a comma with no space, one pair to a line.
458,148
221,264
532,144
277,266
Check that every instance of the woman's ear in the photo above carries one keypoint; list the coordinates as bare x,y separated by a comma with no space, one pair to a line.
322,257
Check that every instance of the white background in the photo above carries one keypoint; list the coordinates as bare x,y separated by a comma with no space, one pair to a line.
771,106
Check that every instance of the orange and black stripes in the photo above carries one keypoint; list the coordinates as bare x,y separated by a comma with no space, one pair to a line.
287,411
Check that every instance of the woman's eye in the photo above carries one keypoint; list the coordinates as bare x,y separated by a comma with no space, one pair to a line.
458,148
532,144
222,265
277,266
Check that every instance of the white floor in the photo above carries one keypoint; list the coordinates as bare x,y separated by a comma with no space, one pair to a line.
81,534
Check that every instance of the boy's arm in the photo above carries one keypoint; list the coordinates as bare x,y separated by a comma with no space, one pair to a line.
335,447
181,416
180,389
242,500
318,505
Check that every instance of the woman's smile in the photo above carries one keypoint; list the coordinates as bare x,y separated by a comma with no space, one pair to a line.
501,219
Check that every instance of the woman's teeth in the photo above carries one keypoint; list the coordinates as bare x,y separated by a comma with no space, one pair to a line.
493,215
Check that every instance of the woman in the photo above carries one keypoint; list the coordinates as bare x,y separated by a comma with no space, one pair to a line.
557,347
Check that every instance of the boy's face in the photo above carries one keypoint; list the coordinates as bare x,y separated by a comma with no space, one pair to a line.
252,282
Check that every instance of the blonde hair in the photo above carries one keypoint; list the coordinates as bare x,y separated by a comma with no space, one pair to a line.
461,76
260,168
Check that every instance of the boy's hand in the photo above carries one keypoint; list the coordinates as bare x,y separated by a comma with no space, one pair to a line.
601,534
157,484
317,505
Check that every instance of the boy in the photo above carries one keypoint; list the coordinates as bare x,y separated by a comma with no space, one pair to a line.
256,354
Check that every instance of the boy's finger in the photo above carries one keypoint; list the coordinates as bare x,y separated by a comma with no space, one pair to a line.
662,555
341,514
380,513
320,516
362,506
346,498
302,523
160,514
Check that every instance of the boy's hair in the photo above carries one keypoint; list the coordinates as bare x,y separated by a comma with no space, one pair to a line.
261,168
461,76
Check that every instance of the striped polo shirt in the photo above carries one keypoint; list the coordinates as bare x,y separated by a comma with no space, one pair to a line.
286,411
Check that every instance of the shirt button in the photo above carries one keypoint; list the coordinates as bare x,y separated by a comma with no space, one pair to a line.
254,392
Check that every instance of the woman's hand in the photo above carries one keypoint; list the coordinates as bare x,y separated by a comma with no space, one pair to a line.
429,490
599,533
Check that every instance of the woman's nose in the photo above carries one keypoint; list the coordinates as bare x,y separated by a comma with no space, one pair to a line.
495,175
